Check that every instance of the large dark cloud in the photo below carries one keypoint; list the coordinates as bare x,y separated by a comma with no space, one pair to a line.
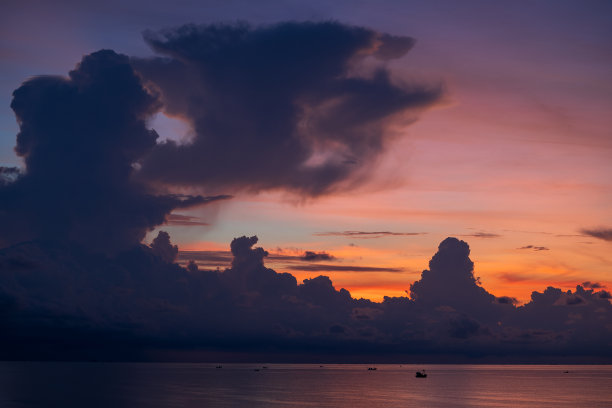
286,106
80,137
60,302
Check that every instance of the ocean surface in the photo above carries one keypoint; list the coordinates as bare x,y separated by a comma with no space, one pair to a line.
66,385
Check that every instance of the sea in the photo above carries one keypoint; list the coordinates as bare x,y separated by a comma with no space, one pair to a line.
81,384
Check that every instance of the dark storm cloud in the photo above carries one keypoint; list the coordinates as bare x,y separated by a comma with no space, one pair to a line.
342,268
287,106
535,248
80,138
59,302
601,233
367,234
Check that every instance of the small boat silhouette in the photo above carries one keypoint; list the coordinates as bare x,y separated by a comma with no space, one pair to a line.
371,368
219,366
421,374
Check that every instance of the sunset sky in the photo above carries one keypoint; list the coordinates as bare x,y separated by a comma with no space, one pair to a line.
506,143
517,153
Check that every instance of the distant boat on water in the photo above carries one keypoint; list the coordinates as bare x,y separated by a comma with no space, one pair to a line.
421,374
371,368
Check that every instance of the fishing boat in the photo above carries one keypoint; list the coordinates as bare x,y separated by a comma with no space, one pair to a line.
421,374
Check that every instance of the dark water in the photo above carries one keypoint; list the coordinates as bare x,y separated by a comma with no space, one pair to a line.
202,385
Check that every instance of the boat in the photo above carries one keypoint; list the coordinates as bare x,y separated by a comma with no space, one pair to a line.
421,374
371,368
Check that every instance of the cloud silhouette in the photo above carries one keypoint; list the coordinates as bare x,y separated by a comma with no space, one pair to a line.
80,138
59,301
286,106
316,256
482,235
535,248
592,285
290,106
367,234
342,268
601,233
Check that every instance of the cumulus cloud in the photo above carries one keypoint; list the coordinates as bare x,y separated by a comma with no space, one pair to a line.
450,281
80,138
286,106
162,247
59,301
601,233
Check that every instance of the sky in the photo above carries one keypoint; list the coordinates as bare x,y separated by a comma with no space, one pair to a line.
352,138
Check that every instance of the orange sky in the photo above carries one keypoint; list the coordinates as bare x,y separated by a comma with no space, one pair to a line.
477,164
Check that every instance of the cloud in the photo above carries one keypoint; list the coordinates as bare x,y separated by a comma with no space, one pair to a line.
64,302
8,175
342,268
366,234
482,235
535,248
162,247
450,282
214,259
80,138
601,233
507,300
287,106
184,220
311,256
592,285
224,257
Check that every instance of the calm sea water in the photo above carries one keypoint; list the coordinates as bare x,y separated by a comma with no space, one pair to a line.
134,385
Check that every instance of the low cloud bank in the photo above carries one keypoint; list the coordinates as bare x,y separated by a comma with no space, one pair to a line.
59,301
